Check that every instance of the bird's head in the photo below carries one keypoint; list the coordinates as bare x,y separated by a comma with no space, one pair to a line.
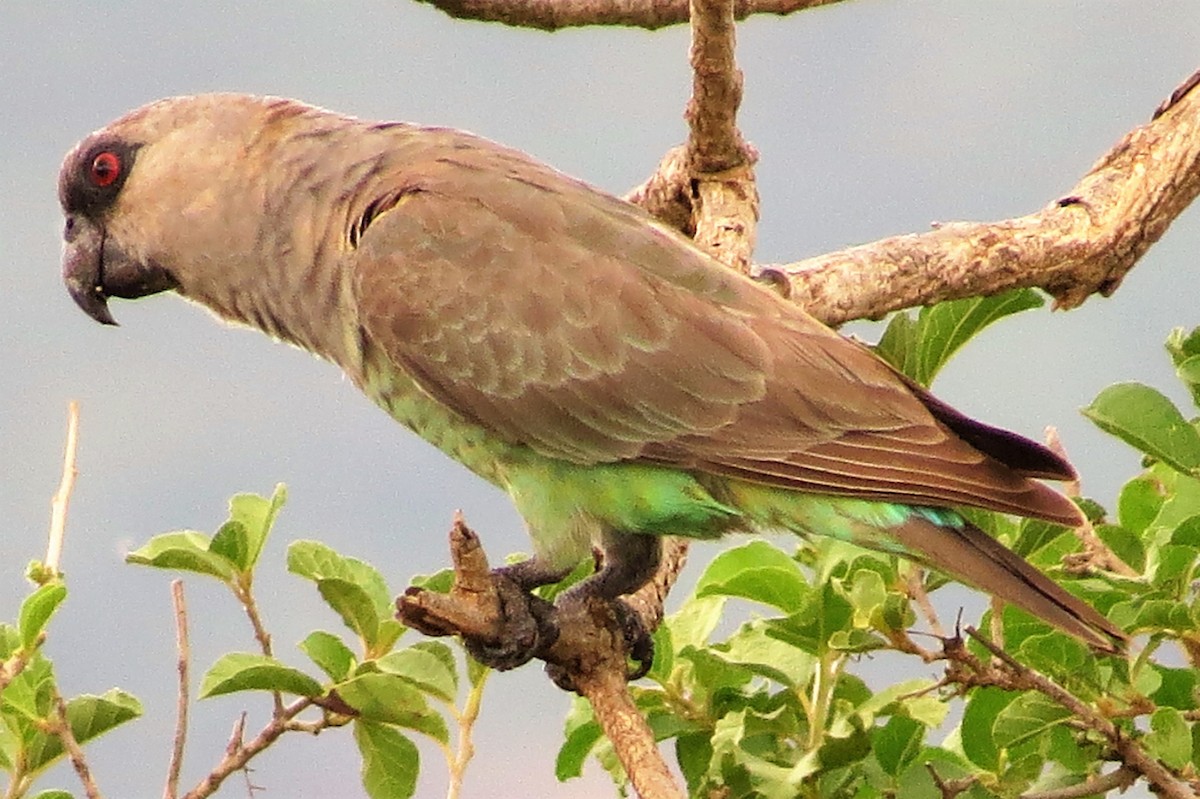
162,198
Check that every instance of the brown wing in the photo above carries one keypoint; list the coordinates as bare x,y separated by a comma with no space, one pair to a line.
566,320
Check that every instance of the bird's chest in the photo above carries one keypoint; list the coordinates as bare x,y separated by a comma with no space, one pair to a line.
406,402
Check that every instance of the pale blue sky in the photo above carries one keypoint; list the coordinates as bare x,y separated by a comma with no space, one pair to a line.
872,117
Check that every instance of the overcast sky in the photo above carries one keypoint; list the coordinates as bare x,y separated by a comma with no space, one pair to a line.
873,118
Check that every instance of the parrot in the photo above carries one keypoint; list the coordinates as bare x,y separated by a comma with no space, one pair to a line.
617,382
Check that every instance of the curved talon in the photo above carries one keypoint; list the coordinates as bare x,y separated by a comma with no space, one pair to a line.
527,628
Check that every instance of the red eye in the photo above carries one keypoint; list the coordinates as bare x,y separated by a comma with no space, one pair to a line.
106,168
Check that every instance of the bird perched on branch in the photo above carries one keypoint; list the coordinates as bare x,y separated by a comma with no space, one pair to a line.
618,383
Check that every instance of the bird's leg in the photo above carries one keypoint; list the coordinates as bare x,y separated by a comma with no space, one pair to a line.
629,562
527,621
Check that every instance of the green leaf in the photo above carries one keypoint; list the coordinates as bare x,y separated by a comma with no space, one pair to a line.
390,761
354,605
1184,349
184,550
1146,420
329,653
89,716
755,649
54,793
317,562
825,612
1169,739
247,671
896,743
1140,501
979,718
1177,688
694,622
425,667
257,516
580,735
37,609
921,347
391,699
757,571
1028,715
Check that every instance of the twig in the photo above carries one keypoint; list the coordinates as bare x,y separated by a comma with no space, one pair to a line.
181,707
61,727
1096,554
1096,785
245,595
918,594
466,719
62,497
238,753
552,15
949,788
1021,677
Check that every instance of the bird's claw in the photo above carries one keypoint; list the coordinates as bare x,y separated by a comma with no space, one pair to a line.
638,644
527,628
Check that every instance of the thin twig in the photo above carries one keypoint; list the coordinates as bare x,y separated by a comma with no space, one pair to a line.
181,706
1096,785
245,595
61,727
238,753
466,719
62,498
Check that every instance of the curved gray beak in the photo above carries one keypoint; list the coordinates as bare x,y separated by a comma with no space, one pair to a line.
96,268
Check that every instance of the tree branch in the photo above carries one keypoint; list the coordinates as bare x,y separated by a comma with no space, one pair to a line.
62,497
553,15
171,790
238,753
1081,244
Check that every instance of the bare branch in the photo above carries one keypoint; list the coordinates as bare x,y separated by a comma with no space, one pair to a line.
1081,244
61,727
553,15
238,753
181,706
1098,785
62,498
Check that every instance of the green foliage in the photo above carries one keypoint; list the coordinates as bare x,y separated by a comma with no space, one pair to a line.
382,690
30,716
920,346
775,708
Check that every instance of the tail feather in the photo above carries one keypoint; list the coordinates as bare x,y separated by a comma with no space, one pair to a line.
972,556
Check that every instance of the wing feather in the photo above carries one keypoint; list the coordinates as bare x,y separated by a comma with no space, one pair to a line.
566,320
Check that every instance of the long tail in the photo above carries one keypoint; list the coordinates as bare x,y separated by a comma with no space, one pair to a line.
972,556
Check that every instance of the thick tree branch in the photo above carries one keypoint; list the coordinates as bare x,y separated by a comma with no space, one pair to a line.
1081,244
553,15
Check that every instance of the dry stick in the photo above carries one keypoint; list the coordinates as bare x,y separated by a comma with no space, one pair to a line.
62,498
181,707
1162,781
61,727
553,15
1098,785
238,754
